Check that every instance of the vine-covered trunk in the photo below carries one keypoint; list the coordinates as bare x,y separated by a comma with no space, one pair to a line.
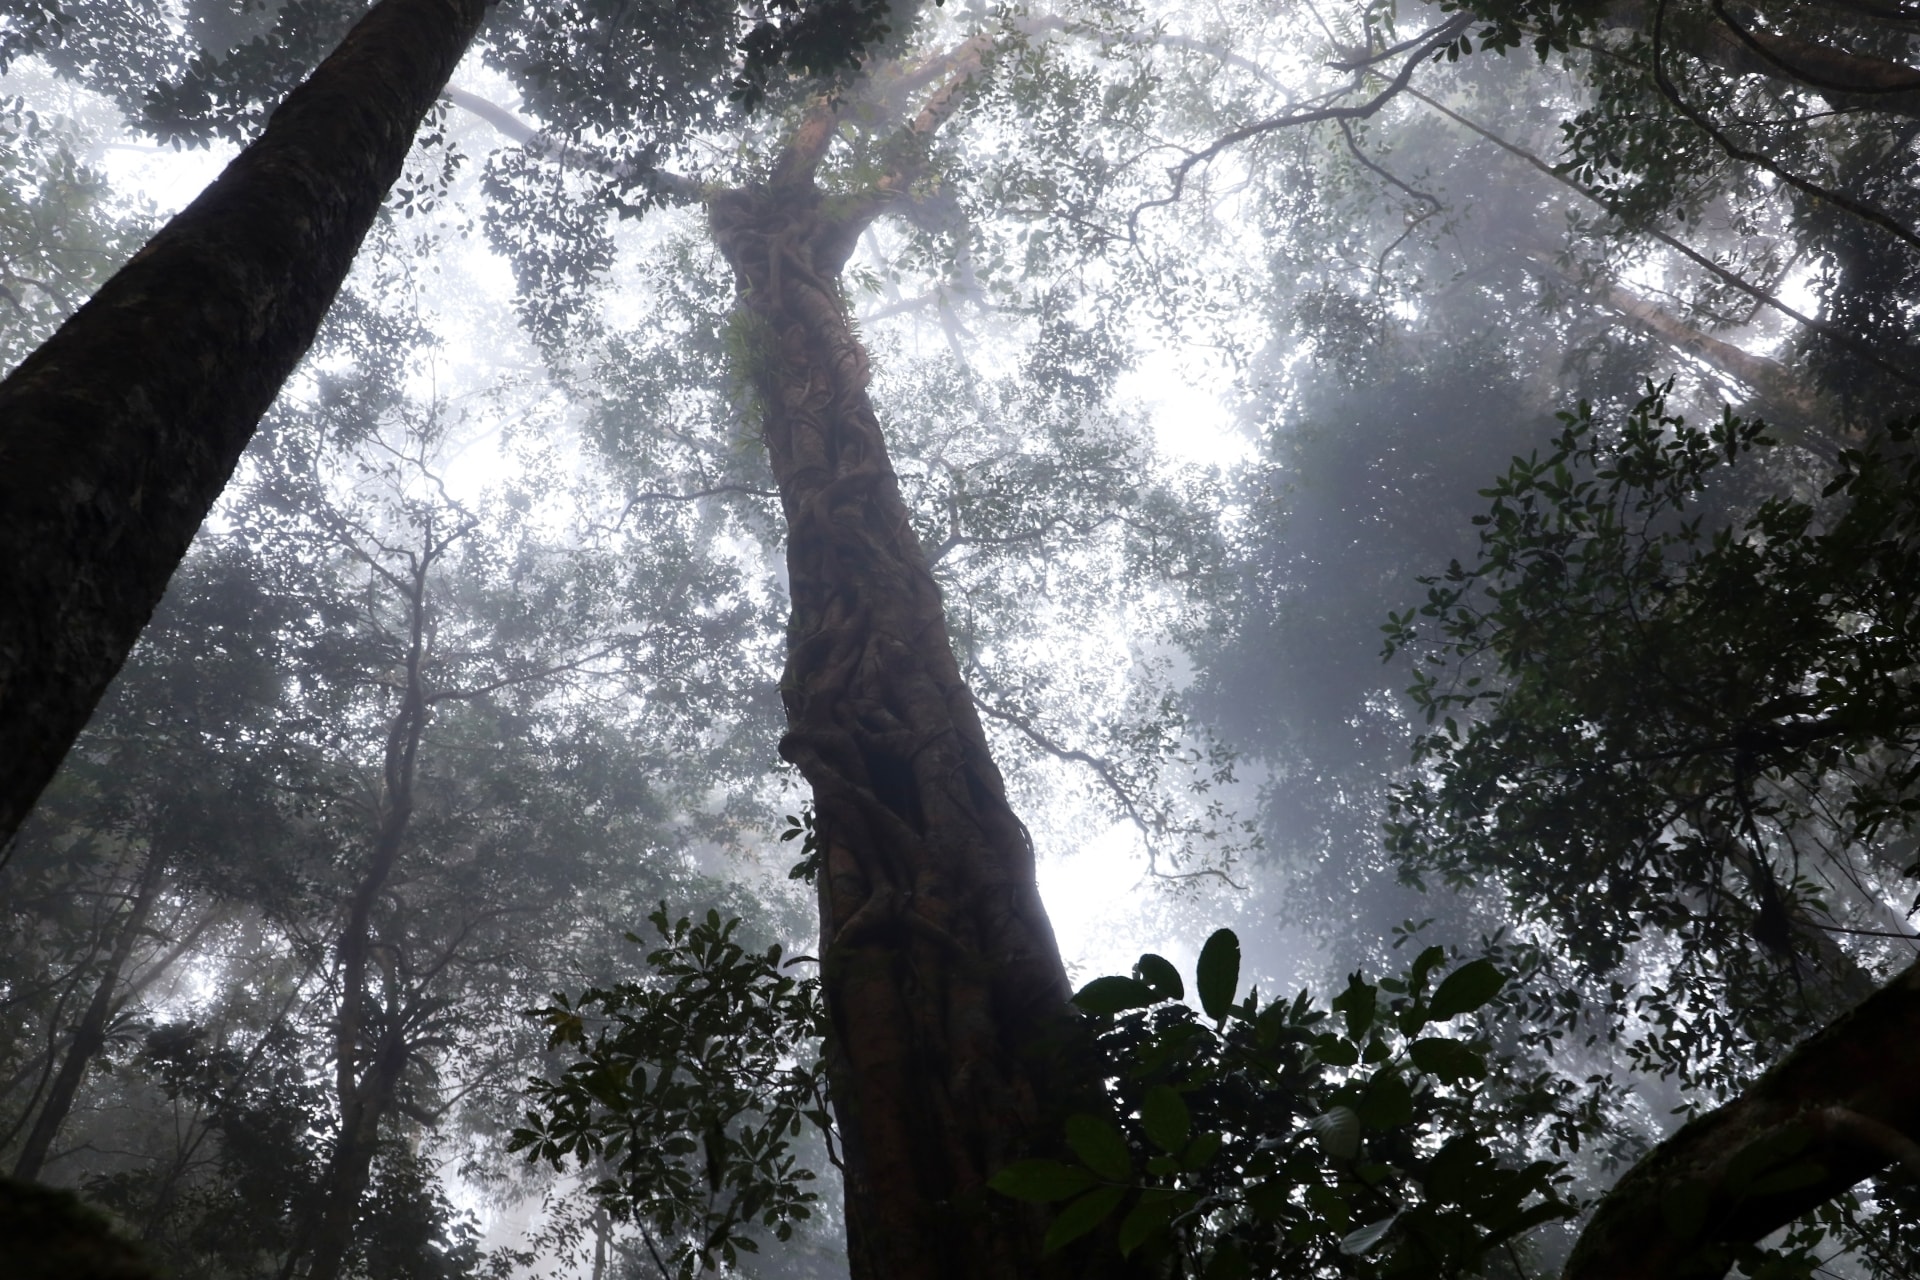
952,1046
117,435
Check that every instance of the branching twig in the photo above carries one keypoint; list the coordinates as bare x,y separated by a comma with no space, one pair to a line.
1761,296
1437,38
1104,770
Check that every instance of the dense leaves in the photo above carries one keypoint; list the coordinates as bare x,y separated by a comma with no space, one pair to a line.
1358,1139
1651,719
689,1095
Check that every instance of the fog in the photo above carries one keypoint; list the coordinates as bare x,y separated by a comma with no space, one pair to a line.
1194,369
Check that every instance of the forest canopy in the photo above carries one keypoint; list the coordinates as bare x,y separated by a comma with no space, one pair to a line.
675,639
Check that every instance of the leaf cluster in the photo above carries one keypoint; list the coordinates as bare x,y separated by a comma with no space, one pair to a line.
1289,1138
1651,715
688,1093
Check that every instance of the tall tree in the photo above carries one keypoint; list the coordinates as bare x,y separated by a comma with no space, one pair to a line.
951,1044
117,434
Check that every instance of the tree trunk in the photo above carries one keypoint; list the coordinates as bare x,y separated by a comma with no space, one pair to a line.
117,435
952,1048
364,1081
1771,382
1838,1109
91,1034
350,1165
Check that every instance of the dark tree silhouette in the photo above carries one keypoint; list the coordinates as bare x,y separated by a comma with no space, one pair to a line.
118,434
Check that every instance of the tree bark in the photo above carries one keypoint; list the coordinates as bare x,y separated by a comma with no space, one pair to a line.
1840,1108
118,434
952,1049
1853,81
91,1034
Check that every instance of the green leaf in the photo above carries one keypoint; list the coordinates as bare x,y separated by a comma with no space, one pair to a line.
1387,1103
1160,976
1218,973
1425,964
1201,1151
1115,995
1151,1215
1336,1052
1041,1181
1164,1115
1270,1199
1338,1131
1082,1216
1358,1242
1100,1147
1466,989
1357,1002
1449,1060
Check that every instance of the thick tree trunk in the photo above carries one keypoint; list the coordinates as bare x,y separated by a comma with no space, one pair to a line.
117,435
91,1035
1838,1109
952,1047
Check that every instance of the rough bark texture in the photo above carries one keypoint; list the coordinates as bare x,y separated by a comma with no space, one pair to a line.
119,433
1838,1109
952,1047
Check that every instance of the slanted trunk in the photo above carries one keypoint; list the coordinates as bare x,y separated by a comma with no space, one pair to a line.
952,1047
1840,1108
118,434
1772,382
91,1035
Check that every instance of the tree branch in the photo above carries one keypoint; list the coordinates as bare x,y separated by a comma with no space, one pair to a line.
1861,209
1832,334
1838,1109
1437,38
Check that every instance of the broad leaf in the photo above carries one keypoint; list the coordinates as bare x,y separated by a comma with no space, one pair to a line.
1218,973
1160,976
1366,1237
1041,1181
1466,989
1115,995
1338,1130
1100,1147
1164,1115
1449,1060
1082,1216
